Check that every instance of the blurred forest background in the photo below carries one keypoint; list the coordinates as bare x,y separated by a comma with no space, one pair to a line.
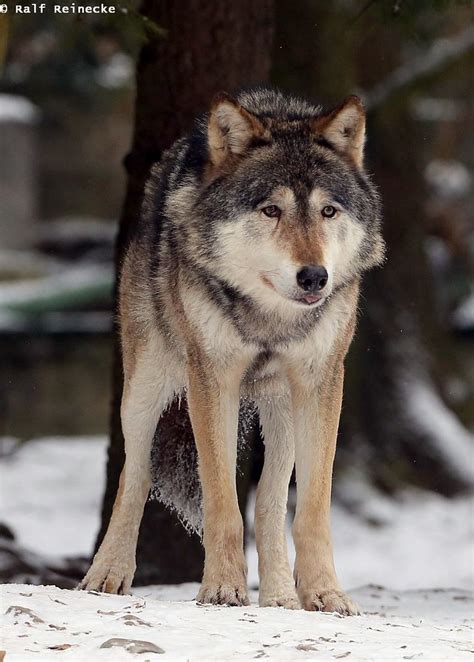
87,105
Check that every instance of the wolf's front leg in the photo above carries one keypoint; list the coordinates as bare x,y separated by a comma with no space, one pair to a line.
316,418
147,389
213,401
277,587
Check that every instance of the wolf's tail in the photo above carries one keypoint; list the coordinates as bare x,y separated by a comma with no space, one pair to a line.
174,462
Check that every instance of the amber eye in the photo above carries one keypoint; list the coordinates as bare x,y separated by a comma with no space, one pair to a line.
272,211
329,211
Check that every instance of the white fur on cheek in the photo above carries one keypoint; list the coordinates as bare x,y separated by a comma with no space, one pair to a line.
342,245
244,261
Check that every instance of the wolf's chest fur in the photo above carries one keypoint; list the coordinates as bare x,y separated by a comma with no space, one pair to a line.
268,344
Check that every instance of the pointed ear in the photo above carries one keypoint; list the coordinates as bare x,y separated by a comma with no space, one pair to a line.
230,129
344,127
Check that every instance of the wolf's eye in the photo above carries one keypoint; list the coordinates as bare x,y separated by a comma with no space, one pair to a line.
272,211
329,211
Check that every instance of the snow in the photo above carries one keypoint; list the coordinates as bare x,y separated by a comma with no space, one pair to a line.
17,109
38,622
428,413
450,179
14,295
50,496
56,511
463,316
117,72
436,109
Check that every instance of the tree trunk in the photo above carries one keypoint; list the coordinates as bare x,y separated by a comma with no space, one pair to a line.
208,47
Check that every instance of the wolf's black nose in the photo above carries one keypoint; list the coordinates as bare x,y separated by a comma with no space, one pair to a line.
312,279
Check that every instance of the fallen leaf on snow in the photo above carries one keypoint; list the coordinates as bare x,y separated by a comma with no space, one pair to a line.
130,619
55,600
75,634
132,645
306,647
18,611
60,647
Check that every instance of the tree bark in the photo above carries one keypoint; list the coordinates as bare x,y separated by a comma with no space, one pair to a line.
208,47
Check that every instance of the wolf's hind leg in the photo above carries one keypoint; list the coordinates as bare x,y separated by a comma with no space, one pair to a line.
277,587
147,389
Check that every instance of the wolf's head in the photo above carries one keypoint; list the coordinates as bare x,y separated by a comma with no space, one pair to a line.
285,212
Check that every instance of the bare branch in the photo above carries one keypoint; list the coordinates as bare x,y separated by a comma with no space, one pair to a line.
438,56
362,11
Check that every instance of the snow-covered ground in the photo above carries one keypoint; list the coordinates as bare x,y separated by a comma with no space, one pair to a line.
50,492
46,623
420,547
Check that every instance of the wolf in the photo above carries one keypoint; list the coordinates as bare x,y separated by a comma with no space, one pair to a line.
241,280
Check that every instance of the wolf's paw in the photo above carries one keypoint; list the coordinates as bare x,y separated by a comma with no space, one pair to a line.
288,600
108,577
331,600
223,594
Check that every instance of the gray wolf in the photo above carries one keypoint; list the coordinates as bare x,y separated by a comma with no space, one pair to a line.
241,280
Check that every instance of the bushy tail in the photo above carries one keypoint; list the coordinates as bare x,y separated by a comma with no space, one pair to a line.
174,462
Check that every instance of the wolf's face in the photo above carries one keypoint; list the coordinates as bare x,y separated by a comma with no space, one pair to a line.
287,210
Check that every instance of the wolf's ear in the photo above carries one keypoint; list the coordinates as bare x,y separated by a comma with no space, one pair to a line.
230,128
344,127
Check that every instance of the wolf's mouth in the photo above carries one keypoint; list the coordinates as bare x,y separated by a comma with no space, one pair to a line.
310,299
307,300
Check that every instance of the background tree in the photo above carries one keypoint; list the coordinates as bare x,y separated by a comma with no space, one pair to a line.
205,47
